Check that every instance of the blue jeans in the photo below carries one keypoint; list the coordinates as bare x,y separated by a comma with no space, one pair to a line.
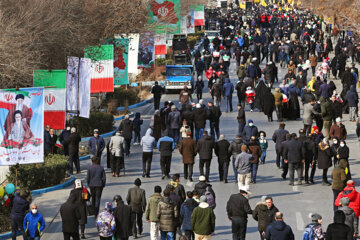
169,235
214,129
254,168
234,168
263,156
198,133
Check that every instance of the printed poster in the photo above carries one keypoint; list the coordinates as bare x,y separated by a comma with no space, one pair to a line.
146,55
121,52
165,16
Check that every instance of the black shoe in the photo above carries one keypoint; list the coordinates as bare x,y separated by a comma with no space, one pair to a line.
225,181
163,177
307,182
291,184
135,237
254,182
83,236
190,179
312,181
283,176
143,175
147,176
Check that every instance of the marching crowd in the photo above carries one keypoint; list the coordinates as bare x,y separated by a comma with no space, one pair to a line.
315,55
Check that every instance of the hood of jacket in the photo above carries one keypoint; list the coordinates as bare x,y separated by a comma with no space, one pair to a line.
204,205
149,132
137,115
350,193
191,203
347,210
279,225
227,80
238,141
342,164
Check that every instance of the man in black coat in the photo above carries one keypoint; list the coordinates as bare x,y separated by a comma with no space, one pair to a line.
157,91
19,207
339,230
294,155
96,180
278,137
72,143
214,115
123,219
126,127
279,230
221,151
264,214
237,209
62,138
199,120
70,217
241,118
188,115
205,148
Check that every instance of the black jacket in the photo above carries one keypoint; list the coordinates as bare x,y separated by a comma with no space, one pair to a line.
73,142
70,215
241,117
278,137
200,117
126,126
264,216
238,206
235,147
96,176
205,147
19,207
214,114
123,220
279,230
188,115
221,150
294,151
201,188
157,90
338,231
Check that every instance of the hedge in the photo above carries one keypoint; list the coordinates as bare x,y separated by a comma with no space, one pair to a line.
41,175
5,219
121,94
98,120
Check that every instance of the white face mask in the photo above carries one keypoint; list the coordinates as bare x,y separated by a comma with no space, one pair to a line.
34,211
251,124
335,142
262,136
342,145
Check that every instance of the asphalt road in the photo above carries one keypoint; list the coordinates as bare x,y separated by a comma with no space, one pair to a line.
295,202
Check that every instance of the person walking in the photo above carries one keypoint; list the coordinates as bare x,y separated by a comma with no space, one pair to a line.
123,219
157,91
263,146
167,213
308,114
350,217
174,121
199,86
249,131
279,230
264,214
96,144
148,143
178,187
33,223
237,208
203,220
188,151
241,118
127,127
221,151
185,97
255,150
105,222
228,90
243,167
205,148
137,122
338,130
70,216
116,148
137,201
353,101
96,180
339,179
186,211
294,155
20,205
82,196
151,213
72,143
234,150
338,230
314,229
200,121
327,114
166,146
278,104
214,114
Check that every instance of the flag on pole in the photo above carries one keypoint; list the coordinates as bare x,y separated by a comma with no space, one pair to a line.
199,15
160,44
54,96
85,86
72,84
102,65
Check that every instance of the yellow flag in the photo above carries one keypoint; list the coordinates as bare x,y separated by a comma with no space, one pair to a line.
263,3
242,5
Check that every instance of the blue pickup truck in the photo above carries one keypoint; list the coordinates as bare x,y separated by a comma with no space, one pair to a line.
178,76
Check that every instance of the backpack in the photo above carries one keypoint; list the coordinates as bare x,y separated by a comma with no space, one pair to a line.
210,198
309,233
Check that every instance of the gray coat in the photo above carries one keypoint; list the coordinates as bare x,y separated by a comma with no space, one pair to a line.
350,218
242,163
136,199
116,146
308,111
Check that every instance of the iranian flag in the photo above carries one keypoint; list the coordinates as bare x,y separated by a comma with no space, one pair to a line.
199,18
160,44
54,96
102,65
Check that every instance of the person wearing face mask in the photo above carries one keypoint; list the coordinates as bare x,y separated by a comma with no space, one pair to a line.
249,131
343,153
324,160
335,148
338,130
33,223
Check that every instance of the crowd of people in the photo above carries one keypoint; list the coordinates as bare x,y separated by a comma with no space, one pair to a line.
315,55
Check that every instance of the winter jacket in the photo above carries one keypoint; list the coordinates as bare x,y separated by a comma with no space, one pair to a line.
338,230
123,220
19,206
63,136
228,88
243,163
294,151
47,142
255,151
126,127
105,223
33,224
309,111
350,218
179,191
96,176
73,142
203,219
201,188
188,150
241,72
221,150
174,119
354,198
252,71
188,115
96,145
241,116
151,208
326,109
166,145
136,199
324,156
185,96
199,85
278,98
137,122
235,147
278,137
248,132
205,147
116,146
81,203
70,216
263,215
167,213
200,66
338,132
148,141
186,211
238,206
199,118
278,230
352,97
338,176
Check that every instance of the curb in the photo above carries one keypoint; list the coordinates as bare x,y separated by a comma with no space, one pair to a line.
40,191
140,104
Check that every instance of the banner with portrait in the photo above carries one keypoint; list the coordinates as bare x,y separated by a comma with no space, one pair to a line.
21,126
164,16
146,57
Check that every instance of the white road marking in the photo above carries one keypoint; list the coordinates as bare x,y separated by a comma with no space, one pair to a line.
299,221
295,188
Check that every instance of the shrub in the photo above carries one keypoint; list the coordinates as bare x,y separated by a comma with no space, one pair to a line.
5,219
160,62
121,94
98,120
40,175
